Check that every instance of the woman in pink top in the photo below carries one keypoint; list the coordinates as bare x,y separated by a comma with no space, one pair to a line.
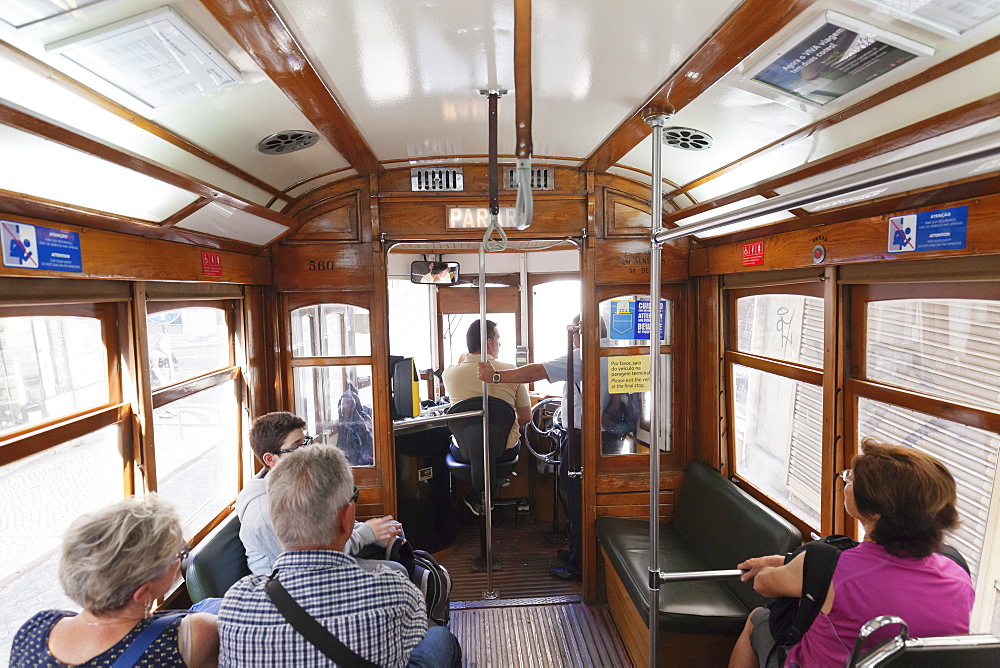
905,500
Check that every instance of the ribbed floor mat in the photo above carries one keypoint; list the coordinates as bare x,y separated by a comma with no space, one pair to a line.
541,636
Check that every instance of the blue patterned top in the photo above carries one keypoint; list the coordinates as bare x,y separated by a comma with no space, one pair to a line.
31,644
379,615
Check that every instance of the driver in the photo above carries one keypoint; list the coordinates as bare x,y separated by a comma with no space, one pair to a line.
461,382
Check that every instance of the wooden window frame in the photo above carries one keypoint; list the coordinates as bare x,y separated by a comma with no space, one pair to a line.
364,476
680,427
819,377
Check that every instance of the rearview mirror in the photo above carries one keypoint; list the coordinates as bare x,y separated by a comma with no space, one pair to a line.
422,271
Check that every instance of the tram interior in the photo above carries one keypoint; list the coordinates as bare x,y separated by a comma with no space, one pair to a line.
212,210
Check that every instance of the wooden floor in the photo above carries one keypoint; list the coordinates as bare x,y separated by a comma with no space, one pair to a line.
526,557
536,620
518,633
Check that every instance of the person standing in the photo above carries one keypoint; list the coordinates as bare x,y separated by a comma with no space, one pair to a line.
554,371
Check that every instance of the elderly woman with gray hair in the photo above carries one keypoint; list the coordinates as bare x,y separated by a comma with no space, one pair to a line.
115,563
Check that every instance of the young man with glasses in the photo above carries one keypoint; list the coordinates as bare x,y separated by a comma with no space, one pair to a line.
273,437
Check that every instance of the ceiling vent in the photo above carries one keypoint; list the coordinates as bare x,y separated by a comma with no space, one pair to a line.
287,141
687,139
435,178
542,178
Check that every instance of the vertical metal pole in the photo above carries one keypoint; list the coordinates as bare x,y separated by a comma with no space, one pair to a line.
487,464
657,122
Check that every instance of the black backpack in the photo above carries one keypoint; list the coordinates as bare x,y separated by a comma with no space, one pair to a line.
792,616
435,583
431,578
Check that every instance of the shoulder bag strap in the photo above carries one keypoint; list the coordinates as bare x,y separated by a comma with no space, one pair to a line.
817,572
142,641
318,635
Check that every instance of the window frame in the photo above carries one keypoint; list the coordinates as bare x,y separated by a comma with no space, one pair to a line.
818,377
364,476
857,386
681,425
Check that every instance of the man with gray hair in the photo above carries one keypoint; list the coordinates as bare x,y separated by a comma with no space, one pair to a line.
378,614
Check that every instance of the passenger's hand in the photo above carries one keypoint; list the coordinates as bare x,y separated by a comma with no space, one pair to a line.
384,529
485,372
751,567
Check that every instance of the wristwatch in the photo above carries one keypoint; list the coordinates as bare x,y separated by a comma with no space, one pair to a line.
496,376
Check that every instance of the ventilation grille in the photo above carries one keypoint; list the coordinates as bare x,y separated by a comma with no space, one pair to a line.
542,178
435,178
287,141
687,139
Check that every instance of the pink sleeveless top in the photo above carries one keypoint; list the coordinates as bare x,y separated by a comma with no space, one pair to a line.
933,595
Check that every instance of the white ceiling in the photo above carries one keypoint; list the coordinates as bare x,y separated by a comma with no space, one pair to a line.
408,75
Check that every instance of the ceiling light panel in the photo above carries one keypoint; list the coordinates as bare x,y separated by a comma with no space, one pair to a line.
224,221
42,168
155,57
945,17
45,97
20,13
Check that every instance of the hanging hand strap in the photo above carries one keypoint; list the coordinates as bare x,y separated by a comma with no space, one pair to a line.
318,635
142,641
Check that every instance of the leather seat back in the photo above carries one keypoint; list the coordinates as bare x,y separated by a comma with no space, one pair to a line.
217,562
724,525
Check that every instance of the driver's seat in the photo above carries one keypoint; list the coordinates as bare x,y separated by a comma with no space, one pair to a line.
468,435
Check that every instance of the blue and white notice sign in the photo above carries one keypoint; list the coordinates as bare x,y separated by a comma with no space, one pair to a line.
34,247
630,319
928,230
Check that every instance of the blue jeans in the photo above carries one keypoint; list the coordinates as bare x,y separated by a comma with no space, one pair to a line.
438,649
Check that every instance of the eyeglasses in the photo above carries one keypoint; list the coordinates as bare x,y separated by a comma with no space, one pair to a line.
183,553
354,497
301,444
847,475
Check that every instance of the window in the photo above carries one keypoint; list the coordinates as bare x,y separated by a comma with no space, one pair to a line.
554,304
625,415
332,377
929,378
66,437
410,322
774,362
50,367
185,343
196,406
456,326
54,366
41,495
196,461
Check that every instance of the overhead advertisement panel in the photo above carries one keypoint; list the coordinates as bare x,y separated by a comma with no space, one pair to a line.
835,57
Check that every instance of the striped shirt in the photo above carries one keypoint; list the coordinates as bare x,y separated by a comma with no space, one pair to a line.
379,615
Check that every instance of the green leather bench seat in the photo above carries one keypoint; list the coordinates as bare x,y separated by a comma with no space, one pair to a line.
217,562
716,526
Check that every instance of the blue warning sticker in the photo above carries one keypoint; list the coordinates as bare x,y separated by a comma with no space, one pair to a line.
630,319
929,230
35,247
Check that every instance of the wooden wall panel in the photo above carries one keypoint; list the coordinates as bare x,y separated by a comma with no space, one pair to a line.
323,266
124,256
625,214
709,409
334,219
418,218
864,240
637,482
628,261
